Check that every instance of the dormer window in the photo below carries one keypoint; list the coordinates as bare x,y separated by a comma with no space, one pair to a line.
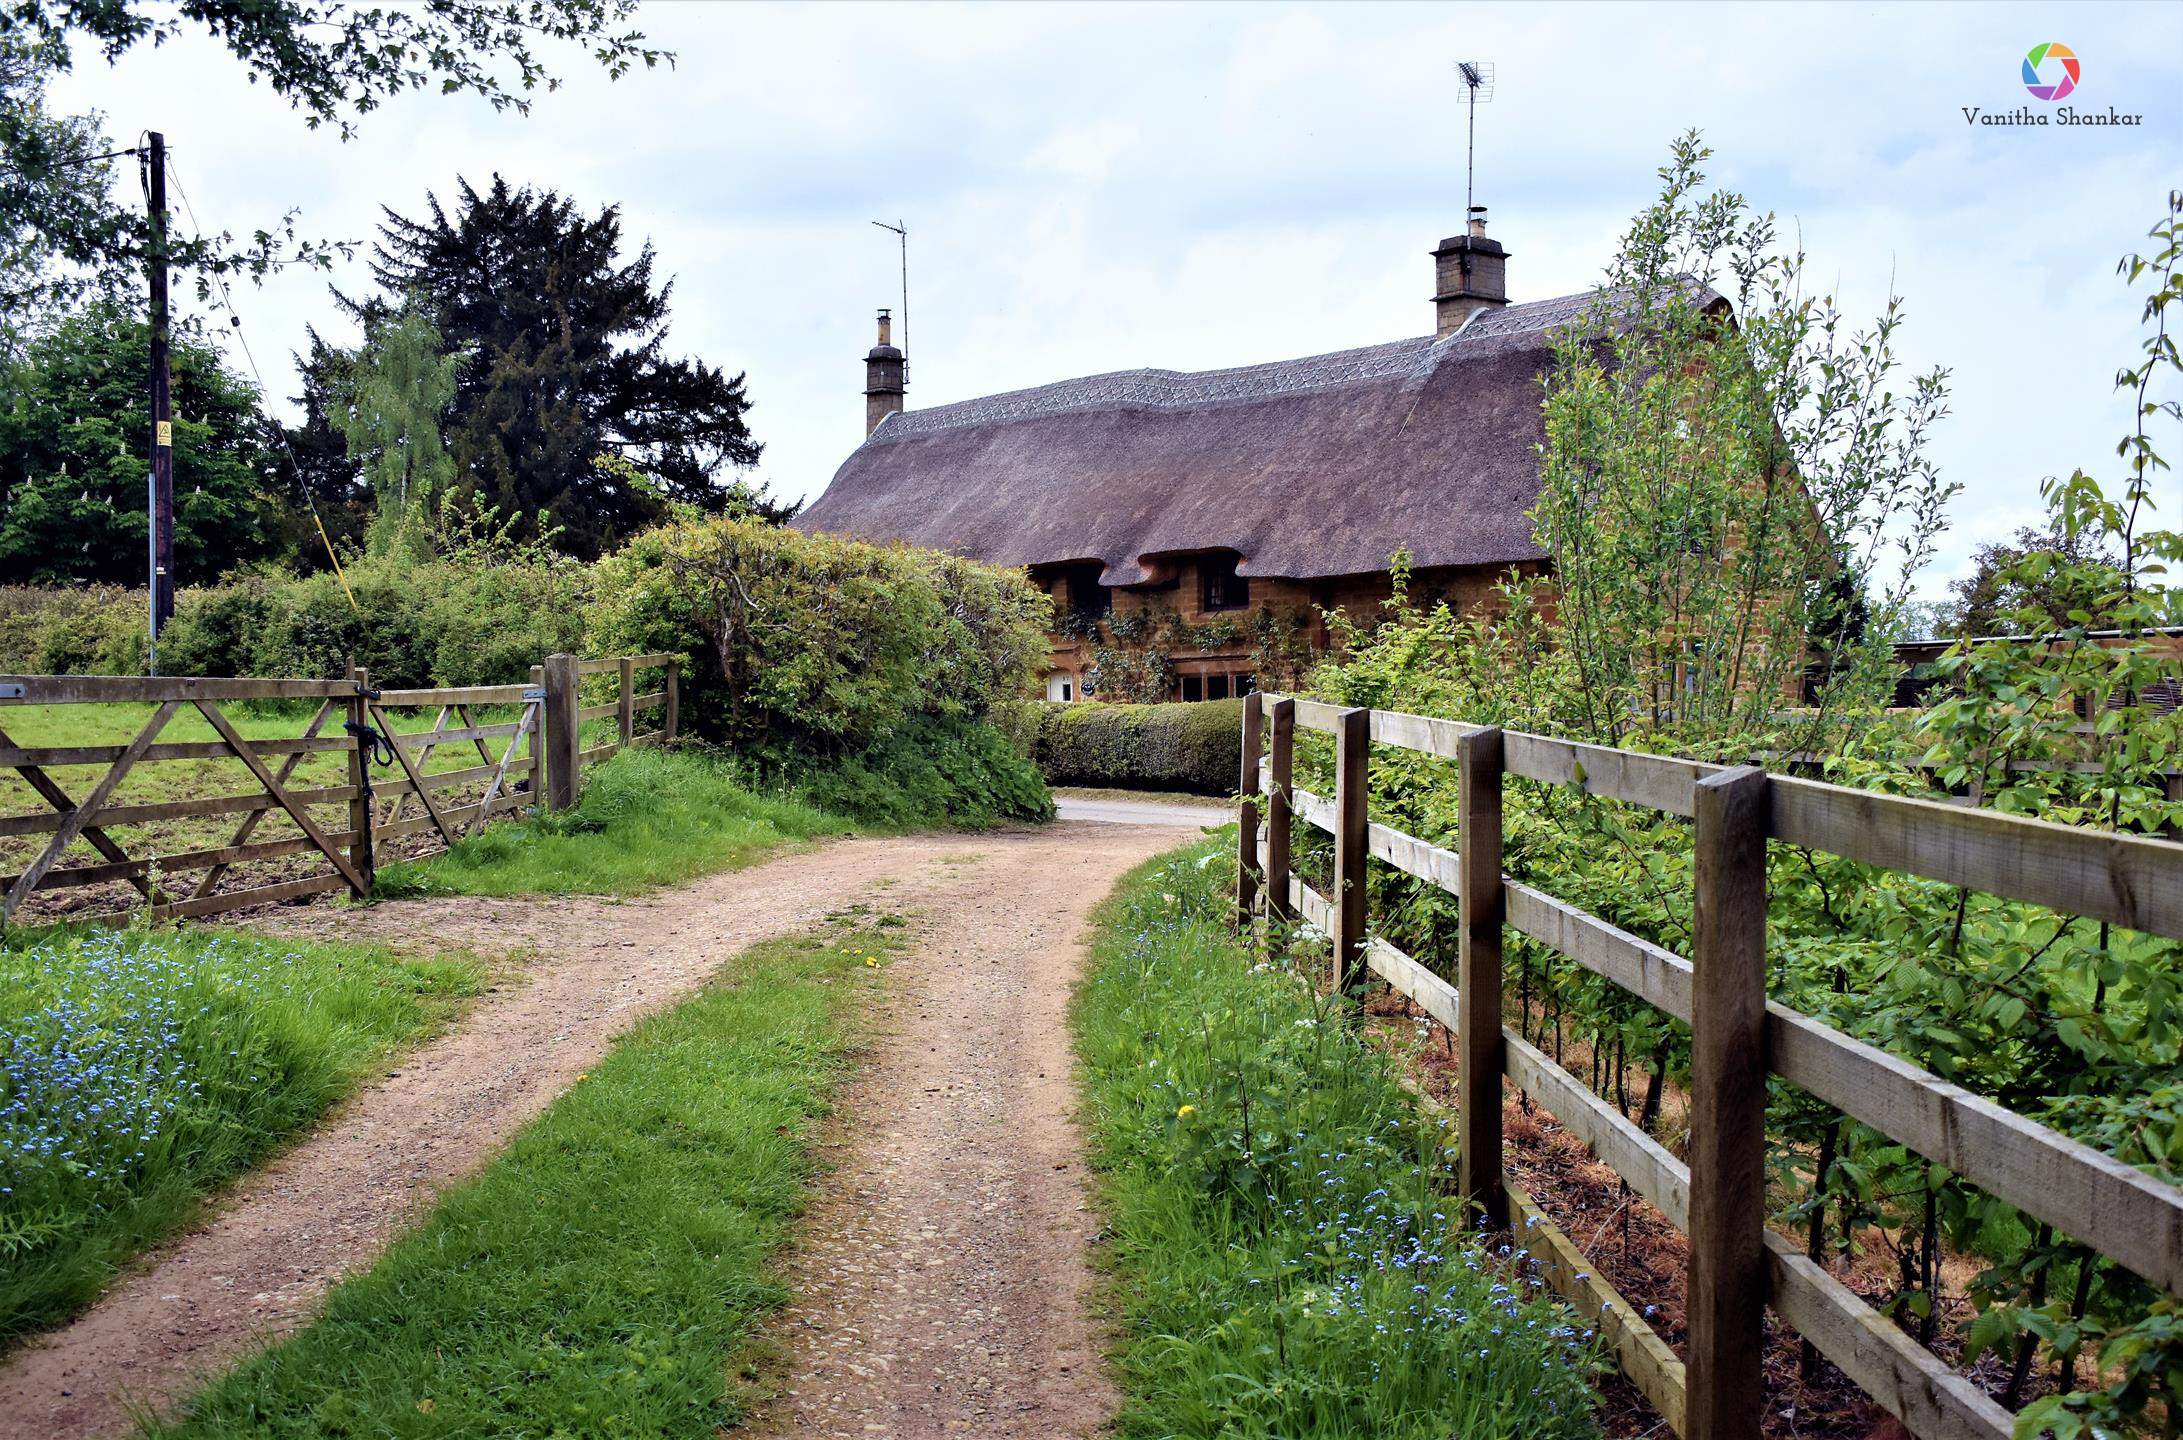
1220,588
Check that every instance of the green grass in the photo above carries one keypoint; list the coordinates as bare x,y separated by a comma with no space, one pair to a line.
597,1279
1285,1258
139,1071
647,817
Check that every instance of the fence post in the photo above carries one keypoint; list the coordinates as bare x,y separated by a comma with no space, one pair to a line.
1478,972
1247,816
1281,741
1352,752
626,707
564,785
671,722
361,858
1727,1284
537,738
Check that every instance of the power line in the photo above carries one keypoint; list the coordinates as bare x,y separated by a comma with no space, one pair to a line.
235,325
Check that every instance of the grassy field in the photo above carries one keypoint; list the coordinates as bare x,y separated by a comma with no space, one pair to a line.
648,817
599,1278
138,1072
1285,1257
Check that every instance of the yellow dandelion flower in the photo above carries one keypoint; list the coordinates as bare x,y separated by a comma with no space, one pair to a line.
1186,1112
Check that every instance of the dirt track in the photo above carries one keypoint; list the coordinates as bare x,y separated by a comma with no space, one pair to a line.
942,1273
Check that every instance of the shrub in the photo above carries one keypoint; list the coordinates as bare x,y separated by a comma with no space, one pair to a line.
1195,747
934,768
72,630
828,642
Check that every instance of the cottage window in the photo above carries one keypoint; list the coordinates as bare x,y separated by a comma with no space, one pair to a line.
1089,598
1193,687
1221,588
1216,687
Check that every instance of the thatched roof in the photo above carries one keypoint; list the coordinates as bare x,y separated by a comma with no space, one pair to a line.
1308,468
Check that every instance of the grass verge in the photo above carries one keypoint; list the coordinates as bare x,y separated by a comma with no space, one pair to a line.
597,1278
648,817
1286,1260
140,1070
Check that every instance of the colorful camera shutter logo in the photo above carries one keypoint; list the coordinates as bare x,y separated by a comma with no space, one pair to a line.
2051,84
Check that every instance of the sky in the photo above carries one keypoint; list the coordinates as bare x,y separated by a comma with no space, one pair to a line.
1094,188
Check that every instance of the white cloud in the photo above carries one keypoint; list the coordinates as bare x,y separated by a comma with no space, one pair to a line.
1097,187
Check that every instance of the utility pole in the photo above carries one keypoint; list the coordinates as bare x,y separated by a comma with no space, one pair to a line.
161,510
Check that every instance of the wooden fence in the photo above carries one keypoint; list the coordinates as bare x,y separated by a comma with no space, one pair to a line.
361,725
1738,1266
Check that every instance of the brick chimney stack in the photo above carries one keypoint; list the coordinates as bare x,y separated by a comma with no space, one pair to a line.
1470,272
883,378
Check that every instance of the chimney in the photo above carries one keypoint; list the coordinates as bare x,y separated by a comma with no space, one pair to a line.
883,378
1470,273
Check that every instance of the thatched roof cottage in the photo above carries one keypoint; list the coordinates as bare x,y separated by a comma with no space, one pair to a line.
1191,526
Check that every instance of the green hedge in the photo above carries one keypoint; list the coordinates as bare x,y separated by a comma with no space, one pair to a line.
1195,747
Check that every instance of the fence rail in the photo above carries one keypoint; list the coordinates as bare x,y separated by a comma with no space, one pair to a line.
1737,1265
539,753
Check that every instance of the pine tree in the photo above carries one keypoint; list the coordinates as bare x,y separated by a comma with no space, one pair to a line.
570,365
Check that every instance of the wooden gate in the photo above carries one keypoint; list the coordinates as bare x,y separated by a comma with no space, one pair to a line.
330,850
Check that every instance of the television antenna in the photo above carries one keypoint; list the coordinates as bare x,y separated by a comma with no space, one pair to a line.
1478,80
901,228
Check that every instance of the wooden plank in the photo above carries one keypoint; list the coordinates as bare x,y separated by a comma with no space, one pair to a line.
1280,793
1315,714
76,820
2127,880
429,740
1478,975
1435,996
653,701
599,666
1727,1280
2130,1216
671,724
599,752
424,757
1650,1167
50,791
1658,976
1660,781
1313,810
1247,813
115,815
1430,863
296,811
204,905
1909,1382
597,712
76,877
656,658
1643,1355
625,716
1422,733
1352,781
485,755
12,755
418,785
452,695
459,814
156,689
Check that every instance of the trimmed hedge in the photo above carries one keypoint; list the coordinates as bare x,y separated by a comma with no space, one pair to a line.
1195,747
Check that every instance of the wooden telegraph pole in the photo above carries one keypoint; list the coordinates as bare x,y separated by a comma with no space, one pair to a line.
161,508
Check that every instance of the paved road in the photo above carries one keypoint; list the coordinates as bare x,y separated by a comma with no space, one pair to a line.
1141,812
